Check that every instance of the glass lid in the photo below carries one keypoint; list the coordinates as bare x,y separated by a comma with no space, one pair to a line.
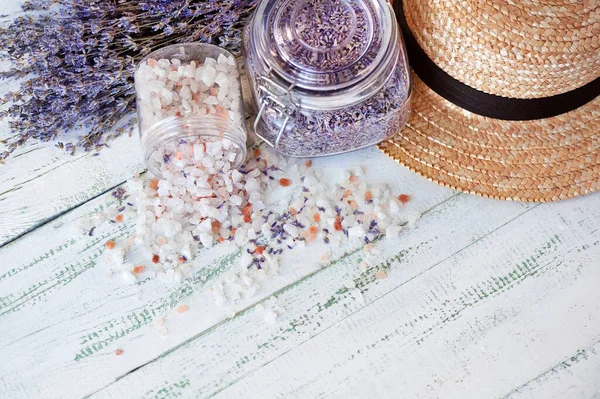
323,44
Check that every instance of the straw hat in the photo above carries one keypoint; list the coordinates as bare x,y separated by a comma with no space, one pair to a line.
506,96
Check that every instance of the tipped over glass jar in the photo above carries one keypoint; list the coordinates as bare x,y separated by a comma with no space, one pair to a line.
327,76
190,110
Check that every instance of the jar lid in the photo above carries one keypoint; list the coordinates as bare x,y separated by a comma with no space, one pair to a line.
325,44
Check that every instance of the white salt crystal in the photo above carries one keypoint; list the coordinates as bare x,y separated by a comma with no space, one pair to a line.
128,277
206,240
236,176
392,231
350,283
394,209
412,218
208,161
245,259
240,237
270,316
189,71
194,86
213,148
291,229
202,182
117,255
185,107
235,200
357,231
185,93
222,80
205,226
211,100
222,59
251,184
208,74
258,206
163,63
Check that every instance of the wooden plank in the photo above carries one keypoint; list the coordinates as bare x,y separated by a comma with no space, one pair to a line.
518,297
61,317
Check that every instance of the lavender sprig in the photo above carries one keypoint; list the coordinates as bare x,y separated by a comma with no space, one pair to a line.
75,60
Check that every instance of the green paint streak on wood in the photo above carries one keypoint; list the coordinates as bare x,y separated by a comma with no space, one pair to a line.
362,282
37,260
70,242
115,329
40,289
242,361
497,284
169,390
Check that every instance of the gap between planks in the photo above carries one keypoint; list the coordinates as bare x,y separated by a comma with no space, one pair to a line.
571,367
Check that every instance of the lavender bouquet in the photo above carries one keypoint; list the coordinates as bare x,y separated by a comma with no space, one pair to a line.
75,60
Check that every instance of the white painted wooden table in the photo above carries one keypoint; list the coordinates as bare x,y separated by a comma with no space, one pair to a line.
483,299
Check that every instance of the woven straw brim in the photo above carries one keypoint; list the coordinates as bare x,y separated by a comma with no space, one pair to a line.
518,49
536,161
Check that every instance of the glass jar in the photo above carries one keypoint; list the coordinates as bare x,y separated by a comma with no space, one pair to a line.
327,76
188,94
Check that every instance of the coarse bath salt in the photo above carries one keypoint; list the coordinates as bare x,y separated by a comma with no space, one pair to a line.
189,103
196,205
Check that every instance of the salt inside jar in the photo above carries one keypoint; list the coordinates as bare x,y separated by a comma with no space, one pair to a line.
328,76
190,109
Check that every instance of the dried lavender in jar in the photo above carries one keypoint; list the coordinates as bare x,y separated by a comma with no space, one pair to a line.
336,80
337,131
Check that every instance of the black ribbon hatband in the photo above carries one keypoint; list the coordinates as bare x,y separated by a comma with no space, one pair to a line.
486,104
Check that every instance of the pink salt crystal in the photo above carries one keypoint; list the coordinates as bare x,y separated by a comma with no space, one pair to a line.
182,309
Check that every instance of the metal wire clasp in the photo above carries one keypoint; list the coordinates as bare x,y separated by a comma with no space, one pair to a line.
277,97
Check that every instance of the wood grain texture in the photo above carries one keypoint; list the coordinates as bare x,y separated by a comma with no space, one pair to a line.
62,317
317,302
482,298
470,308
487,319
40,182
